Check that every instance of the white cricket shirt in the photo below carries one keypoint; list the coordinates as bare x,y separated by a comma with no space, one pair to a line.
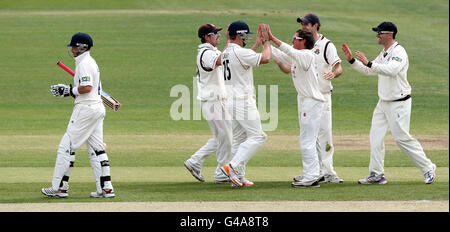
210,81
326,58
238,63
391,66
304,74
87,73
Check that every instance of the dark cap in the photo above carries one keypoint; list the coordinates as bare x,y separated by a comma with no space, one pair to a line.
386,27
81,39
206,29
238,27
309,18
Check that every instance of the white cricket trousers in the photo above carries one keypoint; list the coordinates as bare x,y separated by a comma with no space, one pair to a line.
248,135
219,122
85,126
309,114
325,147
396,117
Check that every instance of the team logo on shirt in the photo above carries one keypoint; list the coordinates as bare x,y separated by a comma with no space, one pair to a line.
85,79
397,59
317,51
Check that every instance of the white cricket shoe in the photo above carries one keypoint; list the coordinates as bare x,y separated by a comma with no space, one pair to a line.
49,192
298,178
305,184
333,179
244,181
194,171
430,176
228,170
106,193
96,195
373,179
323,179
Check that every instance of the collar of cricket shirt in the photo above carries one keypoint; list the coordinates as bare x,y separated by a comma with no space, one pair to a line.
79,58
321,37
234,45
207,45
389,50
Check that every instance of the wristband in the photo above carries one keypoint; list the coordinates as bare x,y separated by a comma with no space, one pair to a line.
75,91
369,64
352,60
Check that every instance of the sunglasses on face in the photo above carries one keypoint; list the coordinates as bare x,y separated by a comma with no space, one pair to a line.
214,33
384,32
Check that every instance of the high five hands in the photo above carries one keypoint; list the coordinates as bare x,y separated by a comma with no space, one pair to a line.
359,55
263,33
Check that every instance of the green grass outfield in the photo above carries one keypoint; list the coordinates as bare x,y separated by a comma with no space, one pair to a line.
144,48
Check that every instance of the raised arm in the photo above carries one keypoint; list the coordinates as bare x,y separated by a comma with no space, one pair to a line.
356,64
267,51
281,59
258,40
219,60
294,54
273,38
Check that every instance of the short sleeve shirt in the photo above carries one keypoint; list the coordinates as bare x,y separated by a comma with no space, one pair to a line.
326,57
87,73
238,63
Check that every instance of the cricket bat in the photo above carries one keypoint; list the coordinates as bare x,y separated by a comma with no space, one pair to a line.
106,98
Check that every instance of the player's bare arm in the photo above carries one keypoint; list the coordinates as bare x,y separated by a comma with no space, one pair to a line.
337,71
84,89
258,40
219,59
267,51
274,39
283,67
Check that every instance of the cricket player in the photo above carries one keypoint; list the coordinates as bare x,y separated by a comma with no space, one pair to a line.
300,62
393,111
238,63
328,66
212,95
85,125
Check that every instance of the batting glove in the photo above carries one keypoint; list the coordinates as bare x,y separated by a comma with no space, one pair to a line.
61,90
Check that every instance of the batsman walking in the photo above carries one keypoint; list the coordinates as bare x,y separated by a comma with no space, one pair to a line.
85,125
393,111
